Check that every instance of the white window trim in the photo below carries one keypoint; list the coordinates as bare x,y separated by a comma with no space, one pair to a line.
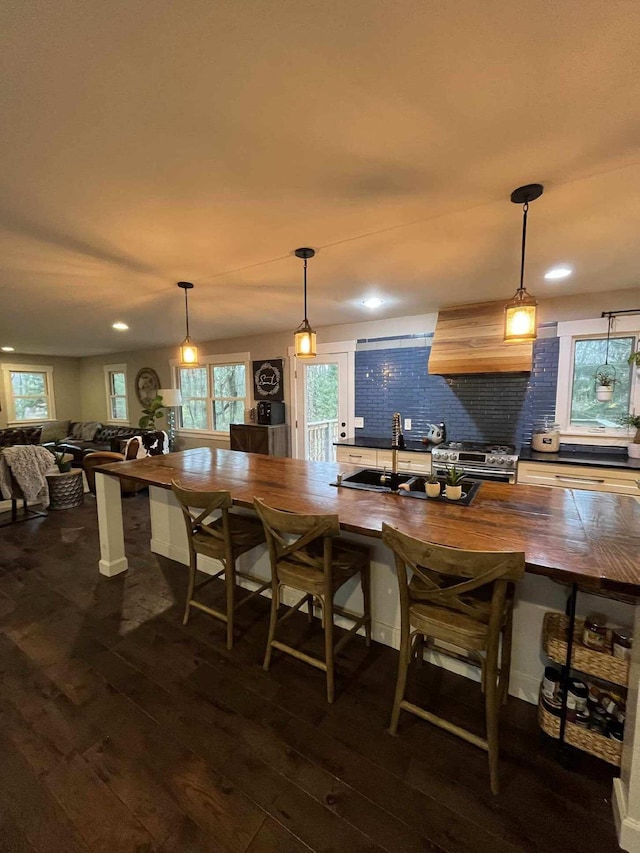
28,368
116,368
569,332
207,361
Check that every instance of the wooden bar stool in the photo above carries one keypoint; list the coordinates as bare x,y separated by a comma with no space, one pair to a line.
224,539
465,599
308,555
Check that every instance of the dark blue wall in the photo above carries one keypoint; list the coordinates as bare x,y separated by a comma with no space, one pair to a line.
475,407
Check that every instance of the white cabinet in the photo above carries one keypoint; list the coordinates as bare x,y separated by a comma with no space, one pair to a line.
358,456
623,481
414,463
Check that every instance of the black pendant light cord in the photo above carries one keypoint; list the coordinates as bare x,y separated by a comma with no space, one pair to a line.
186,308
525,209
305,291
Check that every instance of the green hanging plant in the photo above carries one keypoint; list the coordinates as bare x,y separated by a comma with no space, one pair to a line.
153,412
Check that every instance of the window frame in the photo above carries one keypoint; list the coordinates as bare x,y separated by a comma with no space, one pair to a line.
210,361
108,370
47,370
569,333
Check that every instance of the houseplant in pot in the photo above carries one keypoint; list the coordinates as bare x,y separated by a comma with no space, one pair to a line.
634,359
453,490
604,386
633,449
432,486
63,460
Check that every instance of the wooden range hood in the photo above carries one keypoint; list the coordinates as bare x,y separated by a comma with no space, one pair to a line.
468,339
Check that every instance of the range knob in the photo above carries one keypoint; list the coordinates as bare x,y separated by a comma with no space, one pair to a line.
501,460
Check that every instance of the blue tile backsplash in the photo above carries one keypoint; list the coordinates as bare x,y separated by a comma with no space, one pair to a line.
475,407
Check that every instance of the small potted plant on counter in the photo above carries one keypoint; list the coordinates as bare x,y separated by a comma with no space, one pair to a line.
604,387
432,486
633,449
453,490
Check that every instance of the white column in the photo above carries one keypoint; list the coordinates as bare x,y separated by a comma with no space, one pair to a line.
626,789
113,560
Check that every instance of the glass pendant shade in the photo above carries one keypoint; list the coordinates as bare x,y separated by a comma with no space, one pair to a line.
305,341
520,318
188,353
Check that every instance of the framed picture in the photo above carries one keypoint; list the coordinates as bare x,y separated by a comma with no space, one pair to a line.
147,386
268,381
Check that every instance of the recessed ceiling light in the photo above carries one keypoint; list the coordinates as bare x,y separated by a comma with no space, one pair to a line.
8,349
121,327
556,273
374,302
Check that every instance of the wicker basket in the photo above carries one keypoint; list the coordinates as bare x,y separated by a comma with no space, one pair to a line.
588,741
601,664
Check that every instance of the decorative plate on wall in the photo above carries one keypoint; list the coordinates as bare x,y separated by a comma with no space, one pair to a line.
267,380
147,385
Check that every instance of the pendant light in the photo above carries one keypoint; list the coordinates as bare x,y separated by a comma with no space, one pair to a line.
305,337
188,350
520,323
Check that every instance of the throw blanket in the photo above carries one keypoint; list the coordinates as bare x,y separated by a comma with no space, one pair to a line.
149,444
27,463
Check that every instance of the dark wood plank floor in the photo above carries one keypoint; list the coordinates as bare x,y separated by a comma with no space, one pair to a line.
122,730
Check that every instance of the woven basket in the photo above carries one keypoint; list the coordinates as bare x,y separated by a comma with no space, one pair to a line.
602,747
601,664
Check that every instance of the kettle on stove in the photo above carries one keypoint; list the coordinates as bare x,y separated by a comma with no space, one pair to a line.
436,434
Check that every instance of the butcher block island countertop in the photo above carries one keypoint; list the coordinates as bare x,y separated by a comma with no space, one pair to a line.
588,537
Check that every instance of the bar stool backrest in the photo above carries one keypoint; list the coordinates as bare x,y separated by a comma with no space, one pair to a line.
447,576
207,503
280,526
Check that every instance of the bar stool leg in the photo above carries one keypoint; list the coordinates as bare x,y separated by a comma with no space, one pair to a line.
310,608
505,658
365,580
191,586
404,657
492,705
328,646
230,584
273,621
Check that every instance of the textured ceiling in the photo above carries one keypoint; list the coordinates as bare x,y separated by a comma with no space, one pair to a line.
147,142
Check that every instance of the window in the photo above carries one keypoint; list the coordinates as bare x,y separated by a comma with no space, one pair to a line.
29,392
116,381
214,395
583,348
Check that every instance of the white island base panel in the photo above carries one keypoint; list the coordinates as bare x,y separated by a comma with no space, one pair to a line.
535,595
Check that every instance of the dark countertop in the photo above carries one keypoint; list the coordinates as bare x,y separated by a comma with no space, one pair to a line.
575,457
383,444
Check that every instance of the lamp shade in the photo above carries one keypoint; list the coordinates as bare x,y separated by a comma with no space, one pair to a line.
170,396
305,342
520,318
188,354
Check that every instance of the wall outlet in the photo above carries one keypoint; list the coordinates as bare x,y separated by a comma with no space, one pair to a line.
358,423
407,424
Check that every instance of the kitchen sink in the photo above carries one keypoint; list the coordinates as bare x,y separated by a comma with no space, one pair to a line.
368,480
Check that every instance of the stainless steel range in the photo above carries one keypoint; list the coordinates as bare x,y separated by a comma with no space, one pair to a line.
497,462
